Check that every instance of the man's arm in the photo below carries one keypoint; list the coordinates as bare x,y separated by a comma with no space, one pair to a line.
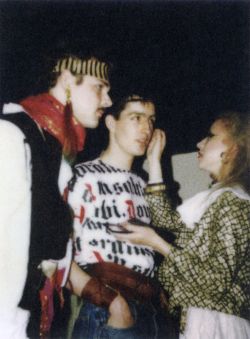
120,316
15,211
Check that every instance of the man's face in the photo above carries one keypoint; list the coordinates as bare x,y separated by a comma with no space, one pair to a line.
134,128
89,100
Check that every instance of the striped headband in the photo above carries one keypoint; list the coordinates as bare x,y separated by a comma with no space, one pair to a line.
78,66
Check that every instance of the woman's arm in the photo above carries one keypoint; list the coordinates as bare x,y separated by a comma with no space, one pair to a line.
155,193
164,217
206,265
206,270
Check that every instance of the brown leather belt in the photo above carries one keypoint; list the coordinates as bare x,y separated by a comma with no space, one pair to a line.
130,284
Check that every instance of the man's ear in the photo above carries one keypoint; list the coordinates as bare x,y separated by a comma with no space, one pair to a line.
66,79
110,122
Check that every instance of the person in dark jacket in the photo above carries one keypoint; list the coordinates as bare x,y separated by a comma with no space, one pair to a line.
39,140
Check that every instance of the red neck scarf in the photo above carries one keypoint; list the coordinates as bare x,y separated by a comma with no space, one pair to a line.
58,120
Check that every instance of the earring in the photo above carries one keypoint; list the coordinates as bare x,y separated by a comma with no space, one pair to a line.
224,158
70,142
68,95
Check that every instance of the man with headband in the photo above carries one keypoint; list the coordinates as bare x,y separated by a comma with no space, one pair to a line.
39,140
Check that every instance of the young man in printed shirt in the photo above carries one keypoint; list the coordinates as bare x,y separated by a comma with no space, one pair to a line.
120,293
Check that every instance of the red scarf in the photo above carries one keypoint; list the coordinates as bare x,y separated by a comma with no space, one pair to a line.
58,120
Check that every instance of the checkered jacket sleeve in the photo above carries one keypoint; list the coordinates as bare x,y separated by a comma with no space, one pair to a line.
163,216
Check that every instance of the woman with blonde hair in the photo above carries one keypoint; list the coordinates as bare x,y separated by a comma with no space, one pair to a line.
206,273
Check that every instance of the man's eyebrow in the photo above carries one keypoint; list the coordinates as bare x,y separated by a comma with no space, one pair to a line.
141,113
105,83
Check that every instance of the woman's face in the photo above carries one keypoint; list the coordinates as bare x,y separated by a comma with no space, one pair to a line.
214,148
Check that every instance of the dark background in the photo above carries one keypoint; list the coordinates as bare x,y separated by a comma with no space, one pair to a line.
193,57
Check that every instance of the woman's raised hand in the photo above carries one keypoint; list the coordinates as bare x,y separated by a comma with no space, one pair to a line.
156,145
154,153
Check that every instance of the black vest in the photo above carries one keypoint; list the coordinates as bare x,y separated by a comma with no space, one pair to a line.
51,220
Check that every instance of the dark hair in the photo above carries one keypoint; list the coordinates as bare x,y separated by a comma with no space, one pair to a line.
238,127
120,103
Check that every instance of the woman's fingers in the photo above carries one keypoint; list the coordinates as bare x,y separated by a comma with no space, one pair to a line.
137,234
157,144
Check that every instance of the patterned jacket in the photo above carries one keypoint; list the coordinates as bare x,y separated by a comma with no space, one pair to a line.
209,267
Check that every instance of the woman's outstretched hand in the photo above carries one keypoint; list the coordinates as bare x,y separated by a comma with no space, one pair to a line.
138,235
144,236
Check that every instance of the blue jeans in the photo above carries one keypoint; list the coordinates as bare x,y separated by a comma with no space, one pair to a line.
92,324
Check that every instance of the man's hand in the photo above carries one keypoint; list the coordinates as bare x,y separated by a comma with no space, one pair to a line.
120,315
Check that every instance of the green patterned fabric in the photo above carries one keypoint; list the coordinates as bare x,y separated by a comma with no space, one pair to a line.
209,267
